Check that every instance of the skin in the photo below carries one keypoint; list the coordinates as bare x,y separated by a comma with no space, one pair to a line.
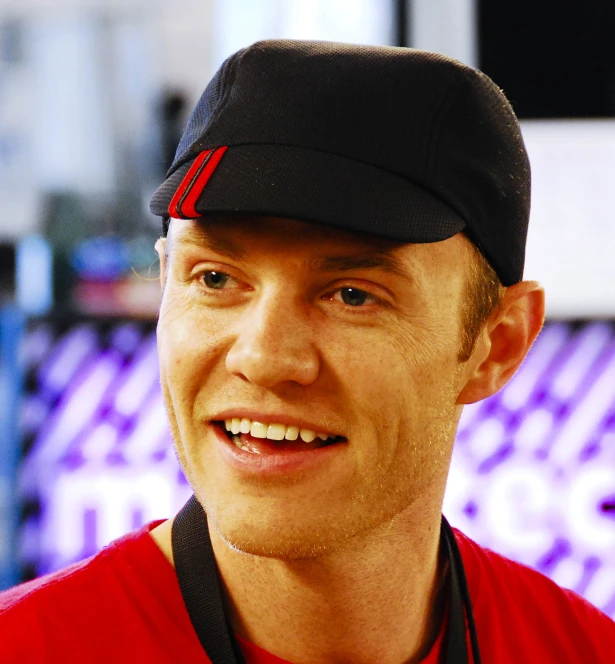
339,565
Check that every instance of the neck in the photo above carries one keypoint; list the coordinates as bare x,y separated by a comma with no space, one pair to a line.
377,599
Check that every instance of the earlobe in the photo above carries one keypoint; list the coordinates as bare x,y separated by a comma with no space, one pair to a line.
505,341
160,247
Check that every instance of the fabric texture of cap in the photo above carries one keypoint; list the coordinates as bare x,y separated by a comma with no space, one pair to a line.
394,142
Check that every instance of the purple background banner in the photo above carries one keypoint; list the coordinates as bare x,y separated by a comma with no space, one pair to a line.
533,472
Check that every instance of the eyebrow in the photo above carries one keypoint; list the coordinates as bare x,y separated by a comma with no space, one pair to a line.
219,245
379,260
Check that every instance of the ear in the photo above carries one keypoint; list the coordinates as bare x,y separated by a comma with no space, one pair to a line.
505,340
160,247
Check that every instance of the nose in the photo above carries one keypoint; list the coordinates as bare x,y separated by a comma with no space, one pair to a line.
274,344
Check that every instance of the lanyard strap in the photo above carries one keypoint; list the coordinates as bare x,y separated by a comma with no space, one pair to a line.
456,645
197,573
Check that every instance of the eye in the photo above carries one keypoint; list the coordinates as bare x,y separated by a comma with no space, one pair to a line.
215,280
353,297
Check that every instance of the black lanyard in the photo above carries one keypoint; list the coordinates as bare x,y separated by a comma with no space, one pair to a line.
197,572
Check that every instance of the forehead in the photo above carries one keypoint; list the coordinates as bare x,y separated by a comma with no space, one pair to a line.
238,236
271,230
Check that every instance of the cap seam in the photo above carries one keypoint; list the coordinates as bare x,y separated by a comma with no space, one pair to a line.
433,142
232,75
232,65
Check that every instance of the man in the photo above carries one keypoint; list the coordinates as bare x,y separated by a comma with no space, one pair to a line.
341,273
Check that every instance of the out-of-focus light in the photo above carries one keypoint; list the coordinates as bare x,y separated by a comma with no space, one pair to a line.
34,275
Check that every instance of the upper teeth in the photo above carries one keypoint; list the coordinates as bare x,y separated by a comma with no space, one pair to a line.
271,431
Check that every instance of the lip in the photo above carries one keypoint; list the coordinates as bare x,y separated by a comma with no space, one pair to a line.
259,465
273,418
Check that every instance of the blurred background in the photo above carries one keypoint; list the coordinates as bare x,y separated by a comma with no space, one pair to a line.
93,98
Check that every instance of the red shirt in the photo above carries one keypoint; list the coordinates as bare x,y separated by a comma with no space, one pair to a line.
124,605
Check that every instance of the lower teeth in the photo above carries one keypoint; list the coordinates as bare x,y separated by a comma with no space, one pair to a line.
246,448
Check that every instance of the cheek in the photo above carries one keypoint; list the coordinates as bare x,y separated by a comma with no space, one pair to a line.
374,389
406,378
188,343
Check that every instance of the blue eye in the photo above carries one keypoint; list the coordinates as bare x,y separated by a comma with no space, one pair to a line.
215,280
353,297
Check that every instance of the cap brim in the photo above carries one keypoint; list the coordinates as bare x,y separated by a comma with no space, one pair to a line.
309,185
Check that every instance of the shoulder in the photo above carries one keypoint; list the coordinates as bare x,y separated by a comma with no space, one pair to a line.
122,605
70,580
64,585
49,608
522,608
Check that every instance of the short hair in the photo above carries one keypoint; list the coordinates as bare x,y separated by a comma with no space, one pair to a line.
483,294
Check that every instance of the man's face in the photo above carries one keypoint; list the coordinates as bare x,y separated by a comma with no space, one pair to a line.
290,322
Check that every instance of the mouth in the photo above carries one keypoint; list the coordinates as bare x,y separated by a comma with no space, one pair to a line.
257,437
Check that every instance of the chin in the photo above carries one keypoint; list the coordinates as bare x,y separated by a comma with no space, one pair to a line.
276,539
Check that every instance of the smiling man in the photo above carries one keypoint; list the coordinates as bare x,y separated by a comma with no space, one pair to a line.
341,268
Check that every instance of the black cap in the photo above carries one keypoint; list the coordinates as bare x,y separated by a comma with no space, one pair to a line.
396,142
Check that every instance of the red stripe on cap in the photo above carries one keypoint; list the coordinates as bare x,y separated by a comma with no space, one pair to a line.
180,192
188,201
